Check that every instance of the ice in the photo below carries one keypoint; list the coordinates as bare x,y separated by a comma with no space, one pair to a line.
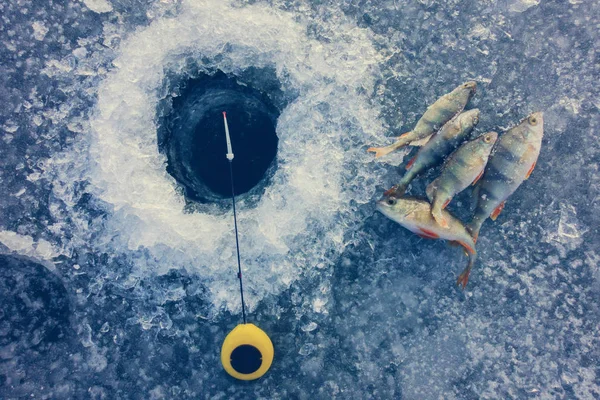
39,30
112,286
129,175
22,244
522,5
98,6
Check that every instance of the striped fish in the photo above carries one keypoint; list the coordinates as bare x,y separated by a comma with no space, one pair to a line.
437,114
513,161
415,215
463,167
439,146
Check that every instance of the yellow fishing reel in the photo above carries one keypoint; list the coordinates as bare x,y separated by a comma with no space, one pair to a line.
247,352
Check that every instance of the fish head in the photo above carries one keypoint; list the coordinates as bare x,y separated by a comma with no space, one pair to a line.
396,208
464,92
470,85
531,128
469,119
487,140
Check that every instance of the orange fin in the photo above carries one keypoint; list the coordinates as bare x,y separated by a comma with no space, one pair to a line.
446,203
390,191
379,151
424,236
468,248
497,211
404,135
530,170
428,233
411,162
478,177
463,278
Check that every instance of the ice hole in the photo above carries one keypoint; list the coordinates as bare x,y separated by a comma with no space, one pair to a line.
194,137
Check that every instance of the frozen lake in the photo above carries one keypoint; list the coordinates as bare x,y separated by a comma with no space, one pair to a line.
117,251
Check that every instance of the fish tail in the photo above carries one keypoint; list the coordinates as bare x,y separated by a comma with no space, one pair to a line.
381,151
463,278
385,150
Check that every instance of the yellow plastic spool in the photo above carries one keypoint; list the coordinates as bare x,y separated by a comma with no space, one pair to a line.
247,352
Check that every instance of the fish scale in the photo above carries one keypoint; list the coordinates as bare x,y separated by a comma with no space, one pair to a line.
438,147
462,168
415,215
443,110
515,157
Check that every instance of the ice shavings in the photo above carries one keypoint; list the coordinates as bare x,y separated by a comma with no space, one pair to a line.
98,6
26,245
303,214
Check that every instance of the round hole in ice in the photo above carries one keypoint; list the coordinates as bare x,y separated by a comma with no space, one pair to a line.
194,137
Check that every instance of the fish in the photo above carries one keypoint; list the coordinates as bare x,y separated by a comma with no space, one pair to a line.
436,115
462,168
439,146
512,162
415,215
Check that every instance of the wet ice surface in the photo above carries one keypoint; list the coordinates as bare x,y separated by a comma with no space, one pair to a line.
124,295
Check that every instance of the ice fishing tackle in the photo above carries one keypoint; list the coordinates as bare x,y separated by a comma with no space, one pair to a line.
247,352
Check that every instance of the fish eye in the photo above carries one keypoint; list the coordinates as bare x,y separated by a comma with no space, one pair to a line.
533,121
487,138
391,201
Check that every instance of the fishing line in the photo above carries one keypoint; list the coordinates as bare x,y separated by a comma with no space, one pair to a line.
237,241
247,352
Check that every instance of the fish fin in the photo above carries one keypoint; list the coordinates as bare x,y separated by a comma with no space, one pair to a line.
530,170
420,142
446,203
478,177
411,162
405,134
466,246
428,233
497,211
391,191
463,278
381,151
424,236
431,189
453,243
436,212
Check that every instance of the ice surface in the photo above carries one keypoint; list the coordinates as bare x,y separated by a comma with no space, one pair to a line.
143,292
297,219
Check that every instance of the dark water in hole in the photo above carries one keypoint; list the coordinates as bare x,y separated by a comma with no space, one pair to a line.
195,140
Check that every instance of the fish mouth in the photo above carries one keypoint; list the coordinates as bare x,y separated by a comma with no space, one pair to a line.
472,85
539,115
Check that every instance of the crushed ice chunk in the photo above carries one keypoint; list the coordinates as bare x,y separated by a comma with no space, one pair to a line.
307,349
311,326
98,6
318,305
568,226
39,30
25,245
522,5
